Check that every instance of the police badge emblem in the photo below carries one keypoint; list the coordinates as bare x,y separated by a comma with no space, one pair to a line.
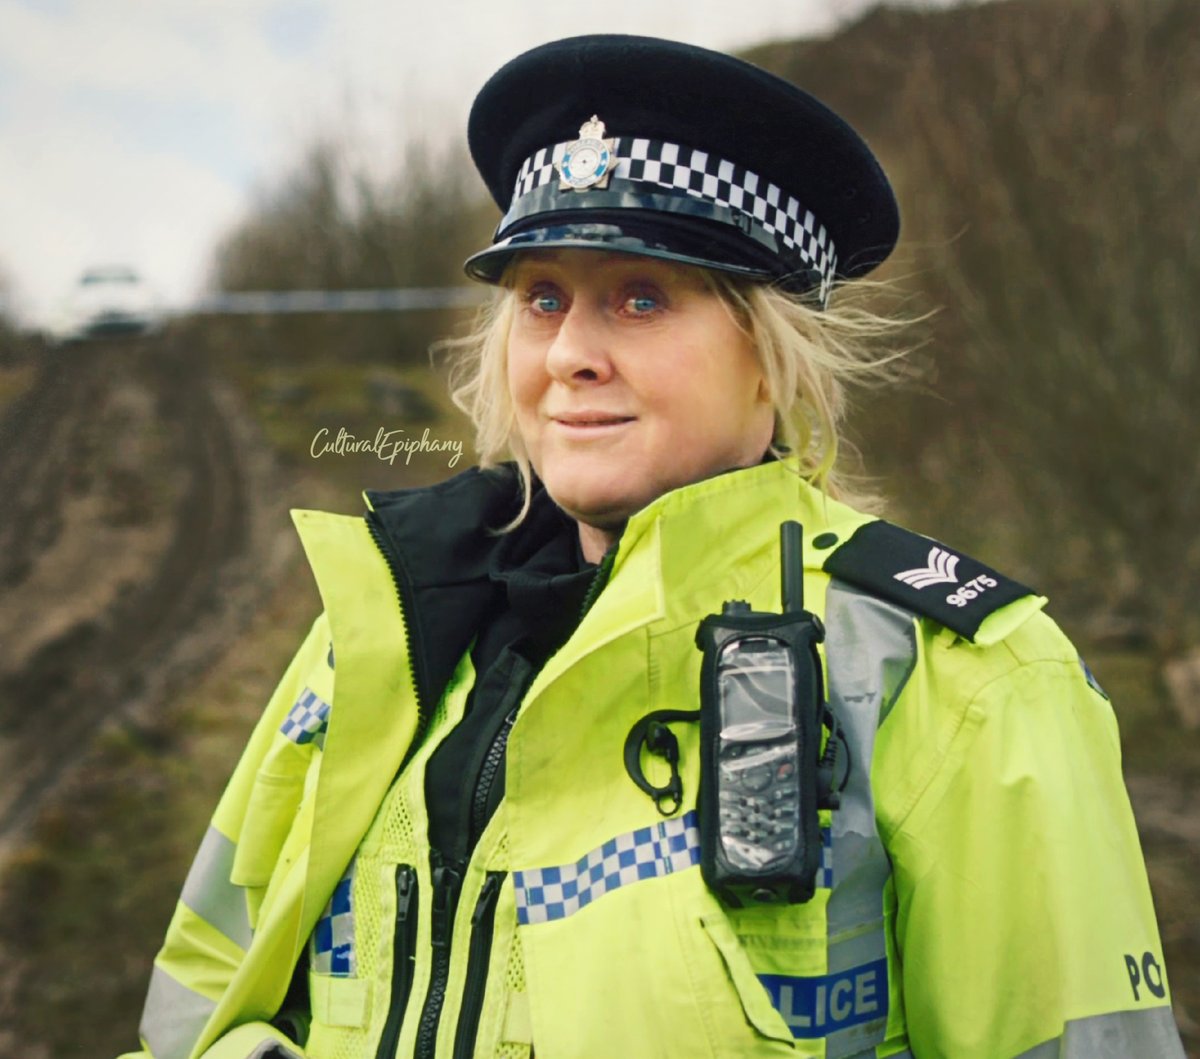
588,161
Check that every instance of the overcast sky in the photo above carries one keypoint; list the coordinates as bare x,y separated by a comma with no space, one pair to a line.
136,131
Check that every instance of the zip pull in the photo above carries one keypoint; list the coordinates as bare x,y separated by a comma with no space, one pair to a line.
406,890
446,883
491,887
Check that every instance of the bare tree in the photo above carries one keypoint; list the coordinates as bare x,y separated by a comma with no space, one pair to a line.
332,225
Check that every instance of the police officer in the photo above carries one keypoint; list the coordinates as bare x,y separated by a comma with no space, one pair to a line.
473,818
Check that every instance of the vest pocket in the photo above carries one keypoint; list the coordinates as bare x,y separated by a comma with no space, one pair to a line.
341,1002
756,1003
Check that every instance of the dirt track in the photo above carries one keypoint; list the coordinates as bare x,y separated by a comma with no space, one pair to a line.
125,537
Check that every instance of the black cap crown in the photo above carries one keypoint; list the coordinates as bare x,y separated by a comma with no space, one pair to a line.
654,147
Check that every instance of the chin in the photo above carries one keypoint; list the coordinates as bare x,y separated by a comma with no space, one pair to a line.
605,514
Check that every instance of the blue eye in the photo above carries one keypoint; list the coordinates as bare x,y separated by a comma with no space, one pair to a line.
546,303
640,304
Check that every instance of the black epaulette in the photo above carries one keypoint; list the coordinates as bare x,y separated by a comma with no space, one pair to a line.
923,576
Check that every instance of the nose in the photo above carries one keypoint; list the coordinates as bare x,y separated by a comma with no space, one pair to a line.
579,353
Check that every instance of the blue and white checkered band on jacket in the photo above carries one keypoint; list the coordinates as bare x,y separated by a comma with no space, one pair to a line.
307,720
331,946
663,848
544,894
649,165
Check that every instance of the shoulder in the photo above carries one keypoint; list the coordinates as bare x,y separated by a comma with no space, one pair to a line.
979,673
932,580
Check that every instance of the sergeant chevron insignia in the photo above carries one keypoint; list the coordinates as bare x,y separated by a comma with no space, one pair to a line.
939,571
923,576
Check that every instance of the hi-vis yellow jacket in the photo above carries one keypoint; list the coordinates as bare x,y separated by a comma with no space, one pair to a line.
982,892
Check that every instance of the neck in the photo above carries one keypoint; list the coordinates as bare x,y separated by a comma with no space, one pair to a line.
594,541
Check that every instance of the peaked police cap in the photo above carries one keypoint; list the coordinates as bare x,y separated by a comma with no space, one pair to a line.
653,147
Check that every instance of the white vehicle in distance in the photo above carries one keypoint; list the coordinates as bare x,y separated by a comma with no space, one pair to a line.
107,300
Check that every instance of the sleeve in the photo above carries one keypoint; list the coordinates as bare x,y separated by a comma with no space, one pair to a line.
1024,918
216,913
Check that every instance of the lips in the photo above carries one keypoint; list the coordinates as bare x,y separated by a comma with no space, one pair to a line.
587,419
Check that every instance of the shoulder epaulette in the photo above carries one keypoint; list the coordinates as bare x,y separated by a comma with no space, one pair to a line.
923,575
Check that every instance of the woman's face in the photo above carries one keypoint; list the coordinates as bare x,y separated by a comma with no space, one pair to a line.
629,377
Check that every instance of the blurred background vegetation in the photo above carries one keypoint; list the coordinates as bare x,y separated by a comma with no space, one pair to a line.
1046,159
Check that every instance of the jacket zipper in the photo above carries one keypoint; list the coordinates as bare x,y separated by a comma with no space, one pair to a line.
483,922
412,631
447,881
447,877
483,919
404,952
599,580
488,772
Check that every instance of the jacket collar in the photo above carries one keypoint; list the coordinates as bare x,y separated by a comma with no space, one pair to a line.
444,538
725,531
453,567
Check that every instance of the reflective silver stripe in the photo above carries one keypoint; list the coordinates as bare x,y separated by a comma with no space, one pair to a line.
871,648
209,893
174,1017
1150,1032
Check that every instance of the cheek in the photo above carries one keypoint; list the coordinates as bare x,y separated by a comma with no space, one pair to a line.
523,379
749,387
526,384
726,391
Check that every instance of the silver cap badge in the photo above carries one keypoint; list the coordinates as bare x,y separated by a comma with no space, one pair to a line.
589,161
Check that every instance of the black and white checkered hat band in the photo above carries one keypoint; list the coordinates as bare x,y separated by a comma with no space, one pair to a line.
686,170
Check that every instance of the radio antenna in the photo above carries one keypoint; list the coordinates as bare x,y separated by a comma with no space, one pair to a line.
791,548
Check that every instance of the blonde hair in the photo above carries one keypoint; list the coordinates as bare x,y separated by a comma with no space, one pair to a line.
810,358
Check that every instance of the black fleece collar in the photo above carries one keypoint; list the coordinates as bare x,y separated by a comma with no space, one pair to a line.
455,569
541,574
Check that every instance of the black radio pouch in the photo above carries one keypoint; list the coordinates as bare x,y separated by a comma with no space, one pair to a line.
761,711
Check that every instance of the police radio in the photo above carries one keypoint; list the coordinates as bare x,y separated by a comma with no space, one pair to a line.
763,771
